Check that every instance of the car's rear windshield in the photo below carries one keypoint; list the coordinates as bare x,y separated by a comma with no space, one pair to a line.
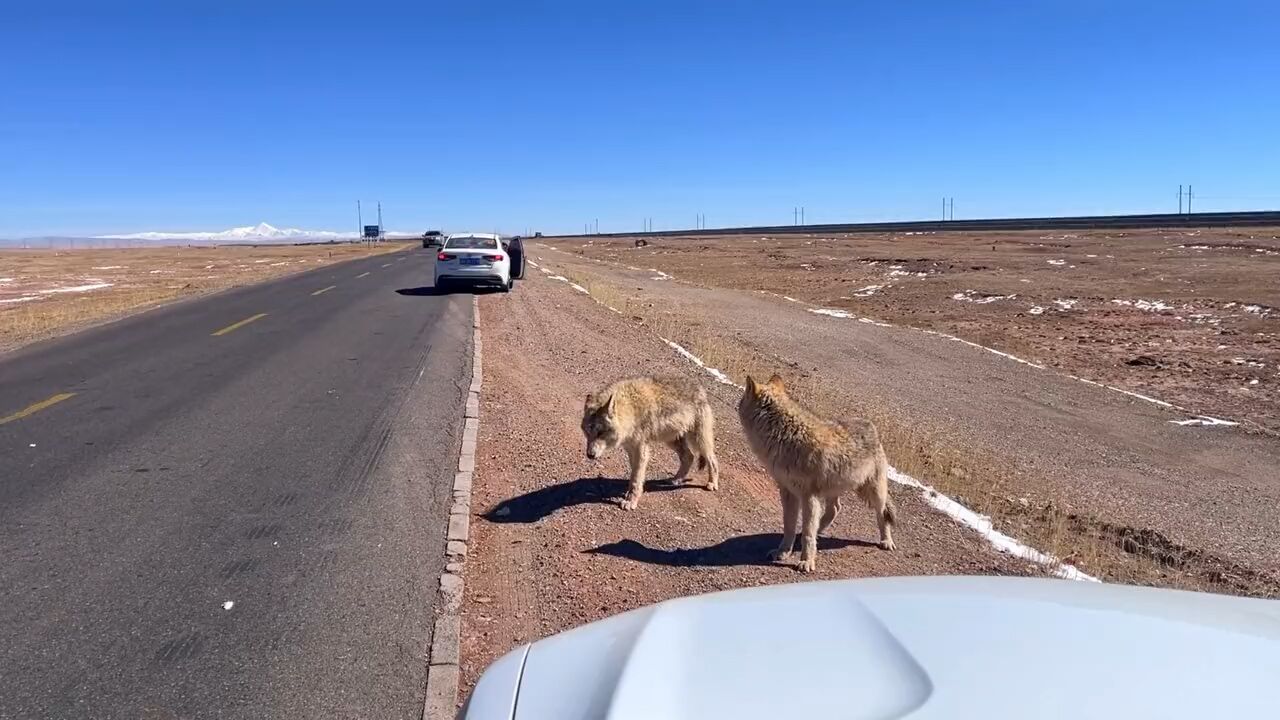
471,243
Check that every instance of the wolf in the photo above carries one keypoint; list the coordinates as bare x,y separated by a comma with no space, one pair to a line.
637,412
814,461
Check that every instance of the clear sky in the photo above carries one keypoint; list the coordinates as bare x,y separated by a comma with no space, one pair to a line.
515,115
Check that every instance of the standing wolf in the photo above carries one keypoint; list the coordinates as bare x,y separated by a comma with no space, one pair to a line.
638,411
814,462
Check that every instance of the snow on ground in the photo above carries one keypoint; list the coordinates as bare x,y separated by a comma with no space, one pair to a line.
1148,305
98,285
980,298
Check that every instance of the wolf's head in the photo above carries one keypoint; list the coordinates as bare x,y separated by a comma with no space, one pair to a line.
758,394
598,425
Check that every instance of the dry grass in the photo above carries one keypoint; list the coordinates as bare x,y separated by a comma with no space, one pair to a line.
982,484
140,279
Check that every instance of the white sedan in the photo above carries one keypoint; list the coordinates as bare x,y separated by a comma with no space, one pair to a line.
473,258
986,648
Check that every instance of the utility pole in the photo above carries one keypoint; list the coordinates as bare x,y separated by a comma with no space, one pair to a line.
380,231
795,216
802,215
359,223
1179,199
1188,199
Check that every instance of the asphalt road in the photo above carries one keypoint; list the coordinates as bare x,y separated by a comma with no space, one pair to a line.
240,523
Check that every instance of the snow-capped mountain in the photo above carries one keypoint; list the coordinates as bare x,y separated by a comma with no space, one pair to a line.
262,232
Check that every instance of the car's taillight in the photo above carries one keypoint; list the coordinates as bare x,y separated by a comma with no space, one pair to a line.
444,256
495,258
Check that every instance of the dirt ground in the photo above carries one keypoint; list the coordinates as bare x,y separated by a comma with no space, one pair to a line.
550,547
1191,316
50,292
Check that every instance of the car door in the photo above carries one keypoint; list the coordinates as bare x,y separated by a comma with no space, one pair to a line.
516,251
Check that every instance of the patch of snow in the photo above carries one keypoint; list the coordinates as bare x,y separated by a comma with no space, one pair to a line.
968,296
228,604
579,288
867,291
1148,305
790,299
1036,310
659,274
109,267
831,312
1065,305
78,288
1057,262
24,298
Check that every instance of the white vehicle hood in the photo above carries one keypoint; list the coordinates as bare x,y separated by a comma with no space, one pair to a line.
986,648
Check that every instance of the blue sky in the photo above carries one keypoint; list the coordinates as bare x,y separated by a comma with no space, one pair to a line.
516,115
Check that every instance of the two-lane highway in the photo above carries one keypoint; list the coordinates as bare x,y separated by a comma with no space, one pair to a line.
233,507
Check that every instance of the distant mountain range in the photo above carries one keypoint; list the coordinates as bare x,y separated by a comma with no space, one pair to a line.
250,233
260,233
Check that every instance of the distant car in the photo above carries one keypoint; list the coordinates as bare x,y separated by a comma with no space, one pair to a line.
938,647
432,238
474,259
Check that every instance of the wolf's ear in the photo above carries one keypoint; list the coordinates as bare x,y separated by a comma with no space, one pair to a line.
751,385
587,403
776,381
608,406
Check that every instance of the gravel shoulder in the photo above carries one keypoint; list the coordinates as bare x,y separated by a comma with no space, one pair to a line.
1095,476
550,547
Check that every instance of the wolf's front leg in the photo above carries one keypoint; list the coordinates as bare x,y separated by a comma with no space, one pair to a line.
639,457
811,516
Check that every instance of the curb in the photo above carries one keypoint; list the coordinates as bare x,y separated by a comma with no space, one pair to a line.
445,655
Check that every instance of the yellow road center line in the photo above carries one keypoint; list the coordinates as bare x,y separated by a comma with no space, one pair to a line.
33,409
324,290
363,274
237,326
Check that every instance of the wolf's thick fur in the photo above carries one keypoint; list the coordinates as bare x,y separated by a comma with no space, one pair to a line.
636,412
814,462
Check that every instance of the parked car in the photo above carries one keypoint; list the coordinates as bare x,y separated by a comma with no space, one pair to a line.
938,647
474,259
432,238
